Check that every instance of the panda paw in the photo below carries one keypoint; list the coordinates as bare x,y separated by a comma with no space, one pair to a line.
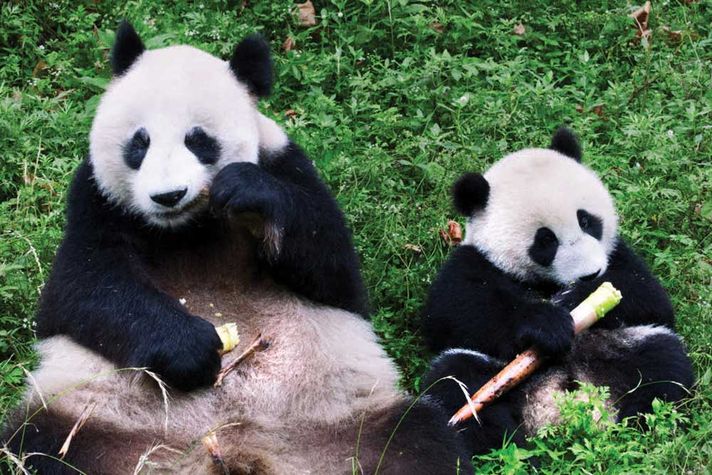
188,357
548,327
574,294
246,188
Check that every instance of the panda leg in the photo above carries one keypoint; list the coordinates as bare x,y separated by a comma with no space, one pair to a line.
497,422
411,437
638,364
93,449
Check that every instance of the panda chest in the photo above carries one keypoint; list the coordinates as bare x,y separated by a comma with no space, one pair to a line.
222,283
218,281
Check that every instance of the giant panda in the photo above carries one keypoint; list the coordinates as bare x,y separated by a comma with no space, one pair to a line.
541,235
149,266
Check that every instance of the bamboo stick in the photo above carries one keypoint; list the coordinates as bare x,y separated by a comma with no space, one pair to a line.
584,315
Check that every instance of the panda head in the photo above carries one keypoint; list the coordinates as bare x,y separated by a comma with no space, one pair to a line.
171,118
540,214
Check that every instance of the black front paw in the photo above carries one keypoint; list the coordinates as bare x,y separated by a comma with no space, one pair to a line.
572,295
187,357
546,326
247,188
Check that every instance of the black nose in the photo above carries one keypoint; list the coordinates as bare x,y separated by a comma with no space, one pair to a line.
169,199
590,276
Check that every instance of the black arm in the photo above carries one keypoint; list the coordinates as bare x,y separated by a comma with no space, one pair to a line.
308,247
476,306
644,299
97,295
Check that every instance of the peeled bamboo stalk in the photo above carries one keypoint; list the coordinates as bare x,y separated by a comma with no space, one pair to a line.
229,336
588,312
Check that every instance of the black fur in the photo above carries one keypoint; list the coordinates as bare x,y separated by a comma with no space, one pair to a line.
126,50
45,432
498,422
203,146
543,249
316,257
565,141
657,367
100,295
470,193
472,304
421,442
252,64
135,149
590,224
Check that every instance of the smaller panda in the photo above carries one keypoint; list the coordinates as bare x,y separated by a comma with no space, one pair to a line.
541,235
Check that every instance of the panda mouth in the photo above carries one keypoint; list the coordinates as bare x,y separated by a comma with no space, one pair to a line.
173,213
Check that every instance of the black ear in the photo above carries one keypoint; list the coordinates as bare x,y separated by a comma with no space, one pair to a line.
470,193
565,141
127,48
252,64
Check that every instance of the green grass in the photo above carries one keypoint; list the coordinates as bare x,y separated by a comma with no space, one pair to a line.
393,100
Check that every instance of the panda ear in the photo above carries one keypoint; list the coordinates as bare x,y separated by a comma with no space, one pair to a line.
470,193
252,64
127,48
565,142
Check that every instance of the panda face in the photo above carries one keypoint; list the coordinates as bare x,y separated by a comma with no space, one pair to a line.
545,217
166,125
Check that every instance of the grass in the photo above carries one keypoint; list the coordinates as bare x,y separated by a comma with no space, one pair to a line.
393,100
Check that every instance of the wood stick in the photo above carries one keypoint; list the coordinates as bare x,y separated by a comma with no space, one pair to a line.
258,344
210,441
584,315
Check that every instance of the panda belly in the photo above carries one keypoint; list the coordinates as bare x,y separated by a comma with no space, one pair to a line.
295,407
635,363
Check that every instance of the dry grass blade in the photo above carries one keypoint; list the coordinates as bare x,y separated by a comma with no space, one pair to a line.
144,459
258,344
164,394
83,417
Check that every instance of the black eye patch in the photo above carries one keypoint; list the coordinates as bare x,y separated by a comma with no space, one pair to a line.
543,249
136,148
203,146
590,224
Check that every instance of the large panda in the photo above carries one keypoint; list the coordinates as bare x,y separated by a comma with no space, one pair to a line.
149,266
541,236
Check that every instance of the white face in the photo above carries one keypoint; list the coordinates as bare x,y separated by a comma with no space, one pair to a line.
547,217
165,128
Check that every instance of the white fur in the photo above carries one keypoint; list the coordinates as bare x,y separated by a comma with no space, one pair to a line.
169,91
533,188
463,351
639,333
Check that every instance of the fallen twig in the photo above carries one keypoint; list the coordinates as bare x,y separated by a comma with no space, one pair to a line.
258,344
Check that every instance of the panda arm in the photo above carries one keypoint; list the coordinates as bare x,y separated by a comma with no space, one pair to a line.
310,250
474,305
98,296
644,299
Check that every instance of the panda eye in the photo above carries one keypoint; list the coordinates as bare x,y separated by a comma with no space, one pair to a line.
203,146
589,223
543,249
136,148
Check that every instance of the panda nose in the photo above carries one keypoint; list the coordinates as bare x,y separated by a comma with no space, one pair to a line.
590,276
169,199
